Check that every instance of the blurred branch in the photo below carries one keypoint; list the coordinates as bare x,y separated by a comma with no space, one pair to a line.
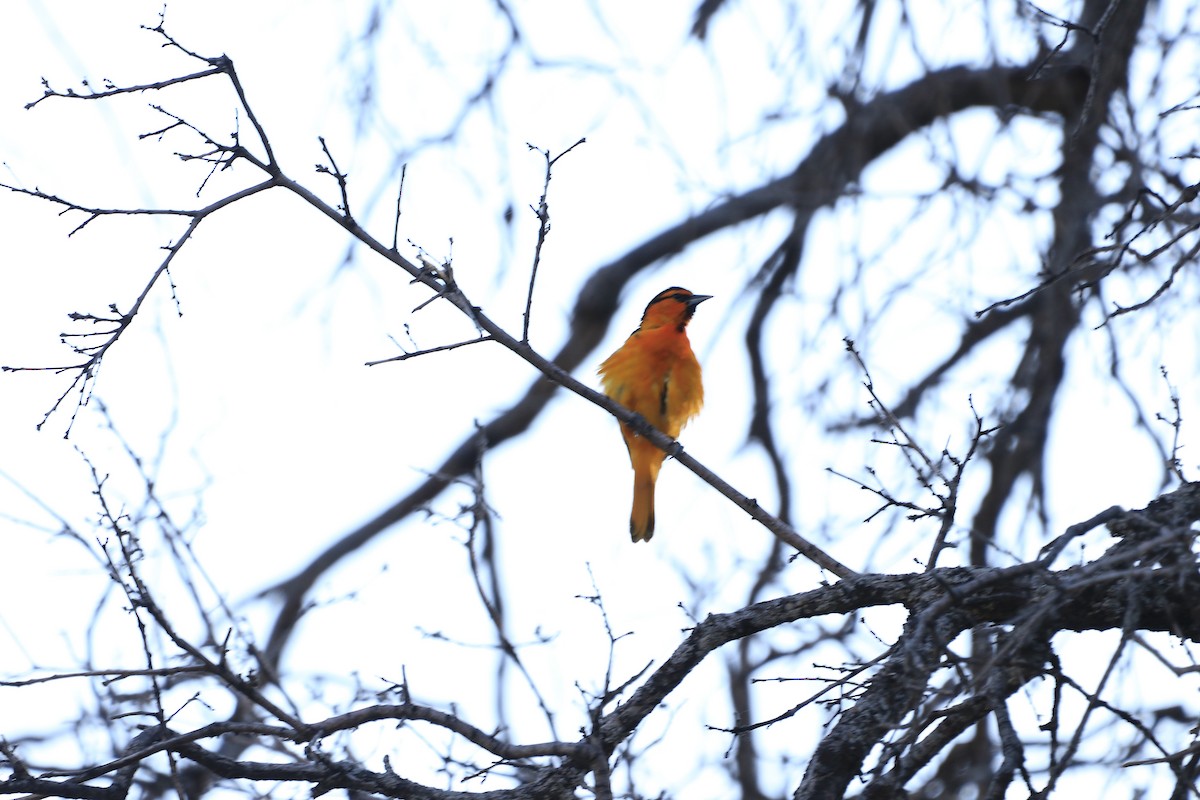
1145,581
836,160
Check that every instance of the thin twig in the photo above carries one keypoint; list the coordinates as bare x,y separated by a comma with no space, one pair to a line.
399,197
543,214
440,348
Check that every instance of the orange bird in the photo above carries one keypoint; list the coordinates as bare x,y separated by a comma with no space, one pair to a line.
655,374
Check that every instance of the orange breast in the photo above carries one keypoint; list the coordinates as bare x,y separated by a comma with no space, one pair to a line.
655,373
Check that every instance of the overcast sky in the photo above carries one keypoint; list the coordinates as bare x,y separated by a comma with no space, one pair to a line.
268,436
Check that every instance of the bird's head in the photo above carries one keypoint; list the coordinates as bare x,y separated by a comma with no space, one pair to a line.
673,306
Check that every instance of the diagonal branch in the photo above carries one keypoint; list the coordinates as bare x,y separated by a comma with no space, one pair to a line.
835,161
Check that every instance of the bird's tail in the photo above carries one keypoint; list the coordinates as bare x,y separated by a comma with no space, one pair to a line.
641,520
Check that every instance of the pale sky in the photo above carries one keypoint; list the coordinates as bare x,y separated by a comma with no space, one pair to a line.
278,439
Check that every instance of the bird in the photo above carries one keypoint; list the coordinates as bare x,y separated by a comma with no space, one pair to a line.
655,374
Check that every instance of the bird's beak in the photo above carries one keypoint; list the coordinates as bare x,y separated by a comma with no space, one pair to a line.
697,299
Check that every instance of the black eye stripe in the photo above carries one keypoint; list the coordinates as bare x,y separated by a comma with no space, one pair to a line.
676,293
